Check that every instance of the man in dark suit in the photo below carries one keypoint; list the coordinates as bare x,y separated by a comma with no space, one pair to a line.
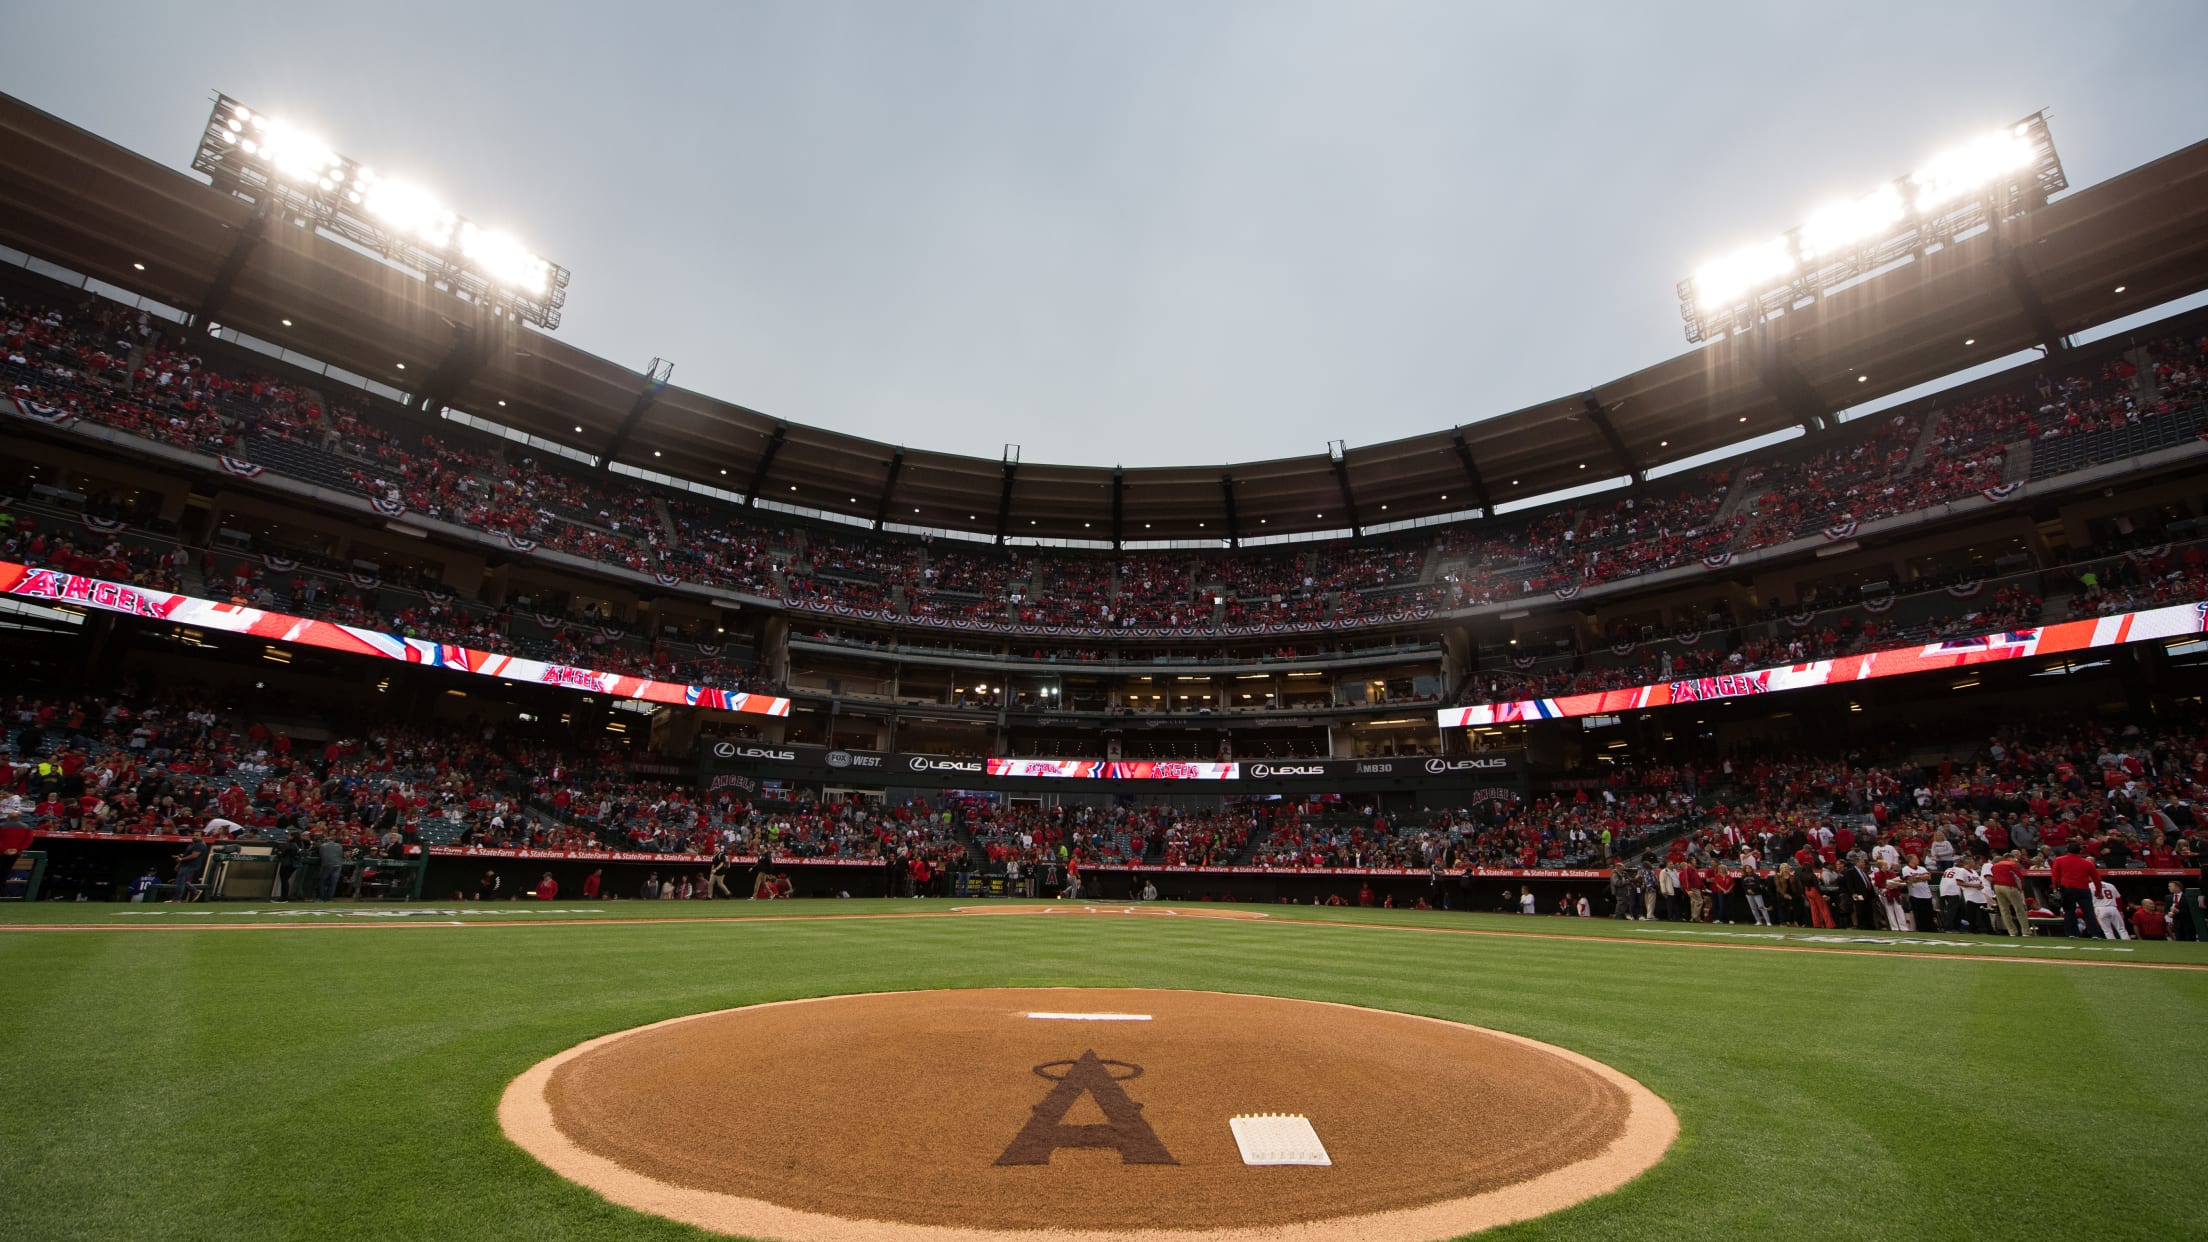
1860,894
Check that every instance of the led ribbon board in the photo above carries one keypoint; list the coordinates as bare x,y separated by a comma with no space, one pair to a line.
2175,621
25,582
1116,770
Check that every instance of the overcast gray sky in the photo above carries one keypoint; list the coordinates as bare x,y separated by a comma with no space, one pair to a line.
1143,233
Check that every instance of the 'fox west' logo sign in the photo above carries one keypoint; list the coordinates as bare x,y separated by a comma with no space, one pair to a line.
1123,1129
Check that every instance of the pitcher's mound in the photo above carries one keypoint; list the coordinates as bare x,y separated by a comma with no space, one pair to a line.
1093,1114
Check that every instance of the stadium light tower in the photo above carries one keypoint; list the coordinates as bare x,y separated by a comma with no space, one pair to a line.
265,159
1957,195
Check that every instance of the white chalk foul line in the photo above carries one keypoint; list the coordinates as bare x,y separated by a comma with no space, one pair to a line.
1092,1017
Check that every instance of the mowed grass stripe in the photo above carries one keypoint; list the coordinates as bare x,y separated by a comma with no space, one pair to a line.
342,1086
1349,920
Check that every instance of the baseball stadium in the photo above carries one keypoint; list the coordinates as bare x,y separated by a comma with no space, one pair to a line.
462,786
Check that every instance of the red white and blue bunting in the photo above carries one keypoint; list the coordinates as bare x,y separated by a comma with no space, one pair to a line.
1967,590
2001,491
1883,603
278,564
52,416
1718,560
386,507
105,526
519,544
1842,529
239,466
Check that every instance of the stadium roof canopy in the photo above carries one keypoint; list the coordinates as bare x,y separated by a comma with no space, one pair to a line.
81,202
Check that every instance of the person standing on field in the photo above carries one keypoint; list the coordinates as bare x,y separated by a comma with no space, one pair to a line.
1916,879
2007,876
1977,897
1691,882
1754,885
1861,895
1887,880
2108,910
330,860
1722,884
2074,875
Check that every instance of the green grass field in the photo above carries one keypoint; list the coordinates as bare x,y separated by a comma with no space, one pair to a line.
341,1083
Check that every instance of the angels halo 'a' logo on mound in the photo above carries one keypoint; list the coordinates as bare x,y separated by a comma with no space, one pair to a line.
1123,1129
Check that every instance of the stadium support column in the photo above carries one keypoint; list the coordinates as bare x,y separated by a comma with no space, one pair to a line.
1119,505
774,647
1456,657
889,488
99,636
1004,496
472,346
1785,381
1600,417
766,463
233,264
1234,523
655,381
2140,667
2020,286
1472,474
1339,451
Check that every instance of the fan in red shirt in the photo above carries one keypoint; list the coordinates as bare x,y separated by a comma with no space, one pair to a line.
2148,922
2007,874
2074,874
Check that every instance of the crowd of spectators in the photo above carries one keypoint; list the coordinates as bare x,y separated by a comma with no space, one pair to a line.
1884,842
176,765
116,366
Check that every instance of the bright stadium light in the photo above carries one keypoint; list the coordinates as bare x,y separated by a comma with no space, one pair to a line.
255,156
1727,280
1955,196
293,153
1845,225
504,259
1966,169
408,209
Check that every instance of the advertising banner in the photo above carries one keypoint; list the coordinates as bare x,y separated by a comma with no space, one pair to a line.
2063,636
782,761
24,582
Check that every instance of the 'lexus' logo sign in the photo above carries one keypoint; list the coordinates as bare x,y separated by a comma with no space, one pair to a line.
1263,770
737,750
1441,766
